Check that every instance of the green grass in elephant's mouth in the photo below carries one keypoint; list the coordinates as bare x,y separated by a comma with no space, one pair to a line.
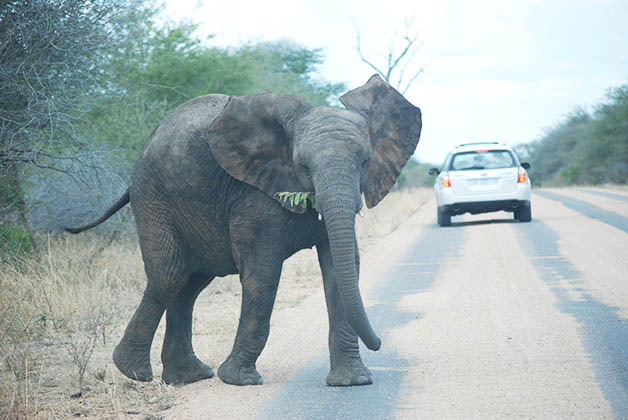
297,198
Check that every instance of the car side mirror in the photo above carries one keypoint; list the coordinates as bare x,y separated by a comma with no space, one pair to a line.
433,171
525,165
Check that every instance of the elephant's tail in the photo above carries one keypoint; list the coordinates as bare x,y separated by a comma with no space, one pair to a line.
122,201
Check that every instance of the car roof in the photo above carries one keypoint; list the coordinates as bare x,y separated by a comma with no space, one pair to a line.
466,147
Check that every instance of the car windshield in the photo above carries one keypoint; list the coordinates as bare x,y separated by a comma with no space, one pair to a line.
482,159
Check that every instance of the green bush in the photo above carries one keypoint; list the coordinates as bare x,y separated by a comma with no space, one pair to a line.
585,148
15,242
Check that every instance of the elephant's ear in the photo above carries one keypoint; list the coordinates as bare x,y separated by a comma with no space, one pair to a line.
252,141
395,127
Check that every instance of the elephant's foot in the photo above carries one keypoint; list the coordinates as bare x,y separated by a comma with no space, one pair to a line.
133,363
186,371
349,372
231,371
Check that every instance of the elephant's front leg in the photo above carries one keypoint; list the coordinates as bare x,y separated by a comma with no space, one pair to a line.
259,287
346,366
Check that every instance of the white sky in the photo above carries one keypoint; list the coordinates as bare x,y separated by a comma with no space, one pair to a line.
496,70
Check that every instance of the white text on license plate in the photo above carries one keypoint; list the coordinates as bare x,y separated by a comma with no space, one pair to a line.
488,181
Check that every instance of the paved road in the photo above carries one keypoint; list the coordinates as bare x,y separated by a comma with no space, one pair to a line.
524,365
488,318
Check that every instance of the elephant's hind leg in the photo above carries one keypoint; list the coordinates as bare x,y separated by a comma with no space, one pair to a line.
165,268
181,366
132,355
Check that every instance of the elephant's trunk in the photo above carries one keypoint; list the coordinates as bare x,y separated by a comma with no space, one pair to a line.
339,203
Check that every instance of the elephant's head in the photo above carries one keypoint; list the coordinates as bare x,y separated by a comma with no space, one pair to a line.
279,144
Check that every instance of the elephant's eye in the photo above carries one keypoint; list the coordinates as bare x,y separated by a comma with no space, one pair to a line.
306,170
365,163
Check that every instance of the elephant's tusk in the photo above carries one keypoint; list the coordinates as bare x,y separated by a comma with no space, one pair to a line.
320,217
361,213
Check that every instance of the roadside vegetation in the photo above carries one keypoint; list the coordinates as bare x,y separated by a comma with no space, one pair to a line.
58,309
585,148
414,175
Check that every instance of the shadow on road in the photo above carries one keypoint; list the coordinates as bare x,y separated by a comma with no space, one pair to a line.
455,223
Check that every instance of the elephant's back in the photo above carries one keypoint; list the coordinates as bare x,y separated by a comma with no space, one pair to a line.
176,164
171,138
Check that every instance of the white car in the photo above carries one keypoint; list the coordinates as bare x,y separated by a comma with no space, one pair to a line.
481,178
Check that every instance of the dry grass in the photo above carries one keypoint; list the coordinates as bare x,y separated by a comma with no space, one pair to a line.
607,187
62,313
616,187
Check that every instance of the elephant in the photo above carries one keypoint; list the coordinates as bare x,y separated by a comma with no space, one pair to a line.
236,185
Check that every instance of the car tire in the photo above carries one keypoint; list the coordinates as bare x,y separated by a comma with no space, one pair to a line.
524,214
443,218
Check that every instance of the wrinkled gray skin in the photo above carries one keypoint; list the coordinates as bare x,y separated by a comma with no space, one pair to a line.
204,195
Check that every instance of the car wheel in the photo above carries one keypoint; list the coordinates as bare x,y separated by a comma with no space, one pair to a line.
524,214
443,218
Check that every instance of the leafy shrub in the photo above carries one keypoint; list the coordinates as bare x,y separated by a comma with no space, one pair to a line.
15,242
585,147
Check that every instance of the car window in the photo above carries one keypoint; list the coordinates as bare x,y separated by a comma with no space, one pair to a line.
482,159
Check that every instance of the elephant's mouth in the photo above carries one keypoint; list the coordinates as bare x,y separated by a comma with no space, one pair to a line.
301,198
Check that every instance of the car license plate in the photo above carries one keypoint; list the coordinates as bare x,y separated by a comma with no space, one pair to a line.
487,181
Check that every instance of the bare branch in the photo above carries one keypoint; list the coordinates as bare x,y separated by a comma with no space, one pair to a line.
412,79
359,48
50,52
397,62
409,44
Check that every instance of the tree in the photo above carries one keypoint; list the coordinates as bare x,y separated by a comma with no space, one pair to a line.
158,68
415,175
288,68
399,60
50,55
584,148
610,128
555,157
